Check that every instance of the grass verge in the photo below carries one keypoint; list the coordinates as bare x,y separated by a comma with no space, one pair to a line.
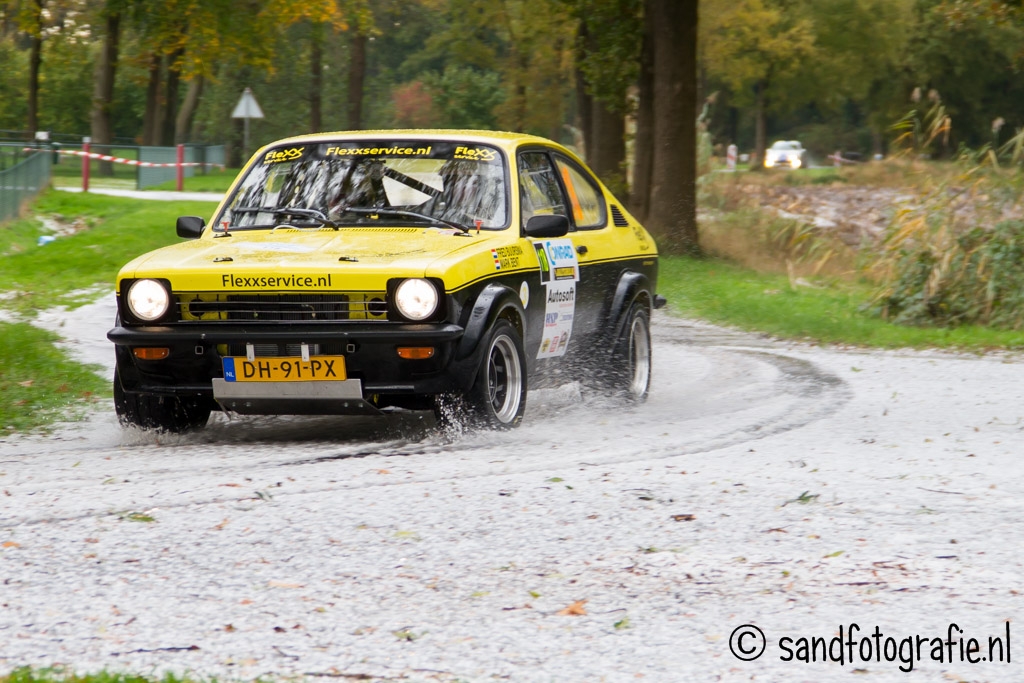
30,675
38,384
105,233
721,292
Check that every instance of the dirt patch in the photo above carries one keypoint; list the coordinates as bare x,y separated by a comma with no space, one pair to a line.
856,215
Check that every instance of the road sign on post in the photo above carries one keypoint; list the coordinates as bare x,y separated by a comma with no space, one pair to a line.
247,108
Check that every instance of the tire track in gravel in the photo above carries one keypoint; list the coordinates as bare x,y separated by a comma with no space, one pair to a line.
713,389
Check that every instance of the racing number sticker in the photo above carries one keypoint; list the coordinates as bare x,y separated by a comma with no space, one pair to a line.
559,297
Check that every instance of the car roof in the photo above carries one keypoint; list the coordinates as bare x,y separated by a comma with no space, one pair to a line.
504,139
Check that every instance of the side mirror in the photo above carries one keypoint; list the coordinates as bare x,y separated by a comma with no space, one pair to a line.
547,225
190,227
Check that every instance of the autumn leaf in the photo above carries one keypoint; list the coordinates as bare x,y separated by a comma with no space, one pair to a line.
223,524
284,584
683,518
27,383
576,609
10,544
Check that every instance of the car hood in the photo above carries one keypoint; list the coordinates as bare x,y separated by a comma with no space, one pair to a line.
350,258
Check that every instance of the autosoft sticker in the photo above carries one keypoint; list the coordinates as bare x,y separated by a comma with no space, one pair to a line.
559,298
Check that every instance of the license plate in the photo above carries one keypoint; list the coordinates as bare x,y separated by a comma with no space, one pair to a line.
272,369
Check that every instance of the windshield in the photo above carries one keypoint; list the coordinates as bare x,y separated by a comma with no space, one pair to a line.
338,184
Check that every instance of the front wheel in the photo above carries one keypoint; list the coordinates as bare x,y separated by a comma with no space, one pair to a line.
497,399
631,357
160,413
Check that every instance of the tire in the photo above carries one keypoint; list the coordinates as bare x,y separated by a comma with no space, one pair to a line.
497,399
158,413
631,356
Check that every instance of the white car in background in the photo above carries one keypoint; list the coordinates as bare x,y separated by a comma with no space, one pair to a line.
784,153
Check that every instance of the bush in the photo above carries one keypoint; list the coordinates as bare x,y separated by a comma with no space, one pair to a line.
958,257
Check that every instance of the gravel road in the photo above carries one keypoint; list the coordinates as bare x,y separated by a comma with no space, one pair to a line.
786,486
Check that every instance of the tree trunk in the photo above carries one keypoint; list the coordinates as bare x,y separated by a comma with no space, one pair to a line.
585,115
35,63
672,216
608,148
316,80
101,127
643,141
170,111
151,117
356,78
584,102
760,128
187,113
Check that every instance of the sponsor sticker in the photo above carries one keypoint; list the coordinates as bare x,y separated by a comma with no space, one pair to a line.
276,156
562,257
559,312
475,153
559,297
506,257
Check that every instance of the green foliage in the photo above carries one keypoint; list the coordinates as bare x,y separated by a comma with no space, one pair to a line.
973,57
610,59
13,78
465,97
956,259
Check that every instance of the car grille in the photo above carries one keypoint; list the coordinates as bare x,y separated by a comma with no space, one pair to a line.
196,307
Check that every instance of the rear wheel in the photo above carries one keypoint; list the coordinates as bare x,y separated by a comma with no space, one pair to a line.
497,399
161,413
631,356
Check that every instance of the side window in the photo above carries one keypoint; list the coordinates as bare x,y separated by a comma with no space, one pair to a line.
585,199
539,193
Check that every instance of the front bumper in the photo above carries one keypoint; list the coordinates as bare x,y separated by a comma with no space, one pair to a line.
377,376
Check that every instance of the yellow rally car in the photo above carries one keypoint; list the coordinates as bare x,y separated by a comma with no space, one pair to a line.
349,273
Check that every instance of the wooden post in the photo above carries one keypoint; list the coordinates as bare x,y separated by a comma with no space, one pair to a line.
180,169
85,164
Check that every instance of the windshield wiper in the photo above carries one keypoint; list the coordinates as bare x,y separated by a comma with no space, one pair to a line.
312,214
384,211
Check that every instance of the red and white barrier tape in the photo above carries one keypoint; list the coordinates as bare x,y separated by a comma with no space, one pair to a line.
119,160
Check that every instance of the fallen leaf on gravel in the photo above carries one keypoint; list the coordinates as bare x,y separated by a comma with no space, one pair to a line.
383,471
92,540
683,518
245,601
284,584
223,524
407,635
576,609
234,486
10,544
230,628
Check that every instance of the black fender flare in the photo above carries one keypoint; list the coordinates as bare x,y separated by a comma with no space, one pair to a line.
630,287
494,301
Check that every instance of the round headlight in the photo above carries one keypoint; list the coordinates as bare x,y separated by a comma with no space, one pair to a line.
416,299
148,300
